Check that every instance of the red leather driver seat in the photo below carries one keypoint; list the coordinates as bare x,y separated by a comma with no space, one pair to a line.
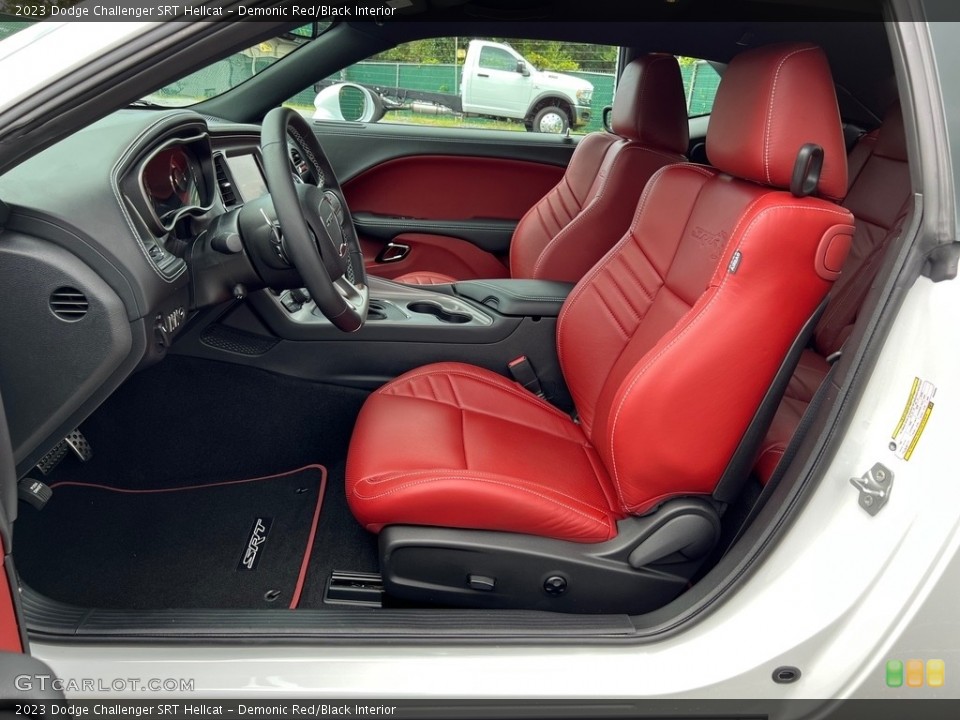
668,344
578,221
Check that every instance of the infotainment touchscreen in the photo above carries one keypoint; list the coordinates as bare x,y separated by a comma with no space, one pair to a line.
247,176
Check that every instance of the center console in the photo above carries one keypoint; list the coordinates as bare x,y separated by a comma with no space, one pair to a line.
489,323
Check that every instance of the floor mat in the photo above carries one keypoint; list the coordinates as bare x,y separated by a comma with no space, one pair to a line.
234,544
342,543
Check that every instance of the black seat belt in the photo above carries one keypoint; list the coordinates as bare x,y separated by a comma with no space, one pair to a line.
788,455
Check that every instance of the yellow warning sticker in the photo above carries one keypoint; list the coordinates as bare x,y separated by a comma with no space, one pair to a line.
914,419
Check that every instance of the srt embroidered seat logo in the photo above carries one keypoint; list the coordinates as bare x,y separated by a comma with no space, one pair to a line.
710,241
258,536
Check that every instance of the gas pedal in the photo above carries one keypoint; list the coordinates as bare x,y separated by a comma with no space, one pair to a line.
73,441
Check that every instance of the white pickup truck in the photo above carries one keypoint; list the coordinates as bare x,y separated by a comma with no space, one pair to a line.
496,82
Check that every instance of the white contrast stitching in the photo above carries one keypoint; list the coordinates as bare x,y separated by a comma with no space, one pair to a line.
773,96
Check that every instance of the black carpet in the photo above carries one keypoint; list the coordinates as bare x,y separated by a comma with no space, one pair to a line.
240,544
342,543
187,422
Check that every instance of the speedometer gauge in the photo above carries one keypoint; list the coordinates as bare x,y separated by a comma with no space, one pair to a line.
173,181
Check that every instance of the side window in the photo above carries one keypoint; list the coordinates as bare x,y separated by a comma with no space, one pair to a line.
476,83
700,83
494,58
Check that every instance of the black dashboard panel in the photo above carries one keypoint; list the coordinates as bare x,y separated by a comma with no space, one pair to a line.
110,212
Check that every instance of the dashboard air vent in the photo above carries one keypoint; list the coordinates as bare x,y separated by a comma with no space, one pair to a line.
227,193
300,166
69,304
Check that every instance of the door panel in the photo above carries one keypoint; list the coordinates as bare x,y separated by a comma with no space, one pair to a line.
468,187
449,187
436,253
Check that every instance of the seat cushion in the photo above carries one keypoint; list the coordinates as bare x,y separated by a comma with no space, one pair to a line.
455,445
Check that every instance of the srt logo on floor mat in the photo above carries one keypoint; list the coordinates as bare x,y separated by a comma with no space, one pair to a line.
258,536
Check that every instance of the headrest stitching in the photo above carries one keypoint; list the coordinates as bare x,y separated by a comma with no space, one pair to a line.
773,96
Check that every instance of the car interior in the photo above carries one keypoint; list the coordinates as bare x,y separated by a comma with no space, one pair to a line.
267,375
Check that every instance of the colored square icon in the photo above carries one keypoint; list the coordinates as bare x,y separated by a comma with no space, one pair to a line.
894,673
935,673
914,673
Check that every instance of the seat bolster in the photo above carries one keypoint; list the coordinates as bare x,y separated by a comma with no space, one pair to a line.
453,497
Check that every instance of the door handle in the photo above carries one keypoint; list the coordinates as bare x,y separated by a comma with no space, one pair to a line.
482,75
393,252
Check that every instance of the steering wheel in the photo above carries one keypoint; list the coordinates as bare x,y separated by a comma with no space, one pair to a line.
317,228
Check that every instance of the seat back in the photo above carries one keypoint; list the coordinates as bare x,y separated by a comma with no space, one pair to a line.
579,220
669,344
880,200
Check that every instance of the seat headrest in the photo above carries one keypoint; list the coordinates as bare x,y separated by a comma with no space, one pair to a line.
891,139
650,106
773,100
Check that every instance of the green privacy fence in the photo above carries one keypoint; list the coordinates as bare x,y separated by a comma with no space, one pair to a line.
700,81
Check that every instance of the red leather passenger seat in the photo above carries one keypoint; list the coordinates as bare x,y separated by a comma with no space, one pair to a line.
570,229
651,341
879,198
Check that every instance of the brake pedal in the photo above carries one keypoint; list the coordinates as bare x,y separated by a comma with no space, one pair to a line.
73,441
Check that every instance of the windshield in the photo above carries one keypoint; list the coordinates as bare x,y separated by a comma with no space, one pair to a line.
229,72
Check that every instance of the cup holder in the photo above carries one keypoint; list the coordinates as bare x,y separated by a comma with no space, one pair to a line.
431,308
376,311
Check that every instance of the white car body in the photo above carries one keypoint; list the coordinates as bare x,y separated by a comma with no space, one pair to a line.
840,594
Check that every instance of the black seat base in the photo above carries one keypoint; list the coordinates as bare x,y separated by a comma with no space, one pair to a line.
649,563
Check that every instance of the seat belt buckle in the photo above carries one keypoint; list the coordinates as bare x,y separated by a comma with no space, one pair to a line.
522,372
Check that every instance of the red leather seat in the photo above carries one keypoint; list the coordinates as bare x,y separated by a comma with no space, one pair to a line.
570,229
879,198
651,341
